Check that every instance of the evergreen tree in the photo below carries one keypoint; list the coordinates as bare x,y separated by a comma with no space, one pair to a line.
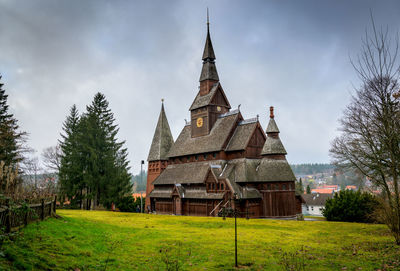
94,166
71,163
308,189
105,158
10,138
299,186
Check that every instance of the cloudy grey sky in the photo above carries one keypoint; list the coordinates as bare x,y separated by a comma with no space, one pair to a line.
293,55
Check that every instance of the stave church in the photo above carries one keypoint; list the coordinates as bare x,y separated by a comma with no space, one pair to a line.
218,156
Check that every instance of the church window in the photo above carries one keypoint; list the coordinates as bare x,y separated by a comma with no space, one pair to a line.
205,156
269,186
196,157
277,187
283,187
214,155
222,186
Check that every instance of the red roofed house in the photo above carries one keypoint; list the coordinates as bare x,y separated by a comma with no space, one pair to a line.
351,187
323,191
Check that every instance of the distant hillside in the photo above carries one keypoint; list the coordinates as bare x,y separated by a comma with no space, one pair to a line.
310,169
139,185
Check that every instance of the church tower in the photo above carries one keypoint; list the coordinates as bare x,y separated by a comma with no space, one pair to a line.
160,146
210,101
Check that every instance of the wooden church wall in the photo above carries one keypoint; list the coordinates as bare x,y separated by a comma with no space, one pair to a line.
278,199
164,206
195,207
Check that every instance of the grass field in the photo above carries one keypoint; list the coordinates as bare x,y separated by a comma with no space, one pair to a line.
100,240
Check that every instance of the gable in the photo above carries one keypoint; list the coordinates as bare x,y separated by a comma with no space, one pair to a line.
257,138
210,178
219,98
216,96
247,133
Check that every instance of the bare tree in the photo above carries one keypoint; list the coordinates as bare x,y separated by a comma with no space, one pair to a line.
370,138
51,158
32,170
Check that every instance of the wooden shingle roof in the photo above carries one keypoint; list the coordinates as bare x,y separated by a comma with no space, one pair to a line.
273,145
241,136
272,127
160,192
213,142
274,170
204,100
162,139
183,173
258,170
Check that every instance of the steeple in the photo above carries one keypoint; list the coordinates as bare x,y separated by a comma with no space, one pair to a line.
273,145
208,53
209,75
162,139
272,127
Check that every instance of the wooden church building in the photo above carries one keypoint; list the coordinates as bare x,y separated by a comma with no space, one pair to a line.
217,156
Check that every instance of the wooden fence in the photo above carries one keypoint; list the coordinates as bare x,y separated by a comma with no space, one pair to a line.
14,216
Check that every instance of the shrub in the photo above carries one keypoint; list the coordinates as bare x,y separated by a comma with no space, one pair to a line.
350,206
129,204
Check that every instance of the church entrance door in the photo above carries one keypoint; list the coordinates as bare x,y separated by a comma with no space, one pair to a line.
177,206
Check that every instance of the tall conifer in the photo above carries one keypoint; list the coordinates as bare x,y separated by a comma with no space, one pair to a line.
106,159
71,167
94,165
10,138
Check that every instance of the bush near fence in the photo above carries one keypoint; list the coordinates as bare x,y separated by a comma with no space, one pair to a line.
12,217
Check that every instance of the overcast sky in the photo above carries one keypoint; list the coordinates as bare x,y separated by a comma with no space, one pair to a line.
293,55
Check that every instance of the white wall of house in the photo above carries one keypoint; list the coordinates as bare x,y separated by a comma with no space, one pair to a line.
315,210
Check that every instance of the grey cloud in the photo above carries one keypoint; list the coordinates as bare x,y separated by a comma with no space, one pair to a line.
291,54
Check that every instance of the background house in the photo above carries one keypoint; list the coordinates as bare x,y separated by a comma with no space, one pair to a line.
314,203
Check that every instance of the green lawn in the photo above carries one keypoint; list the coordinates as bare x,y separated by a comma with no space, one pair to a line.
99,240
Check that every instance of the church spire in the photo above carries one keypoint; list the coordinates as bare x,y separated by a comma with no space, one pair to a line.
208,53
209,75
162,139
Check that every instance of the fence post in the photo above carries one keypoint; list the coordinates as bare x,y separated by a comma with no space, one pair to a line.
42,214
26,215
8,216
55,204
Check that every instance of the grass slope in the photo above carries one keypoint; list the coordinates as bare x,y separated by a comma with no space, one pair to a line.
95,240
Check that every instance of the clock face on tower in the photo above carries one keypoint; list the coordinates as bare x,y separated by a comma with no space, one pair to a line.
199,122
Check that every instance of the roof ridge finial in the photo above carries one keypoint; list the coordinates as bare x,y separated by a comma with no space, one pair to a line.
208,20
162,100
271,112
